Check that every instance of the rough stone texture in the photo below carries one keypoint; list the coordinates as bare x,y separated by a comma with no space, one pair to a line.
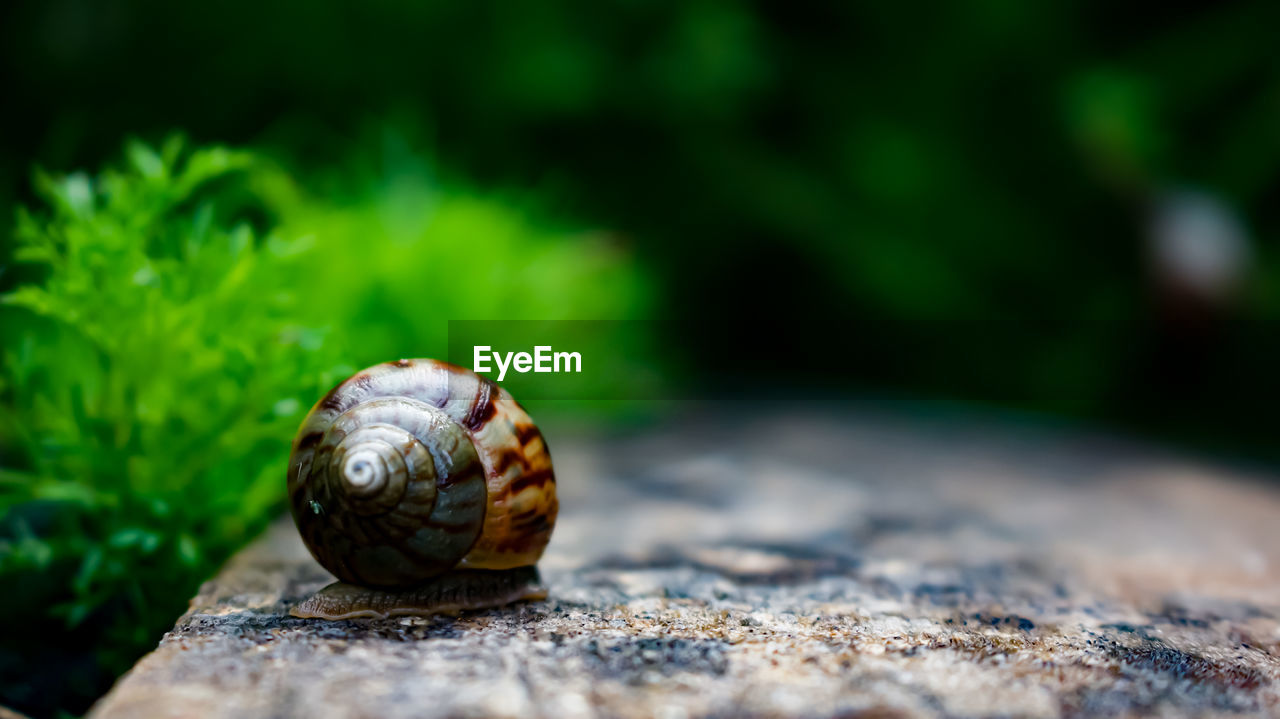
762,562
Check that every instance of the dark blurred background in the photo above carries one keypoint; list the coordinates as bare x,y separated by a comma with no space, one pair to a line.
1111,167
1063,207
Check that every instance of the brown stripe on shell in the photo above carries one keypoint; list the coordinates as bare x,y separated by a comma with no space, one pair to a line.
482,407
532,479
341,398
508,459
539,522
530,521
309,440
523,516
526,433
521,539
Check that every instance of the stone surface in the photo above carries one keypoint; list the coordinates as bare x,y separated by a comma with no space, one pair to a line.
767,562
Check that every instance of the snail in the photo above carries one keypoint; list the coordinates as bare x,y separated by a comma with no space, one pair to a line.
424,488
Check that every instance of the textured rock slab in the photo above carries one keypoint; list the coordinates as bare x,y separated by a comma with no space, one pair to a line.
764,563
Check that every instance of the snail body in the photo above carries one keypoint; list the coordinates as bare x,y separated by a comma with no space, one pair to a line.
423,488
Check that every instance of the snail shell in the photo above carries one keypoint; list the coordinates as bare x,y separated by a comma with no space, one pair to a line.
413,475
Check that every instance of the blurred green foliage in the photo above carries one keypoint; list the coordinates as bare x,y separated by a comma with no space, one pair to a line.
145,391
869,164
983,158
189,307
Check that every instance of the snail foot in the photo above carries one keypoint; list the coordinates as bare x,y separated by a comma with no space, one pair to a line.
449,593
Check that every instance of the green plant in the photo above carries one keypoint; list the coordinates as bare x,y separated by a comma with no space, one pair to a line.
150,388
184,312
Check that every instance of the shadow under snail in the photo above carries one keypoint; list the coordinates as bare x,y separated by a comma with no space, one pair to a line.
425,489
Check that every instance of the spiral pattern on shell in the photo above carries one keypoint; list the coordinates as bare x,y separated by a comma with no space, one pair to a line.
408,469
